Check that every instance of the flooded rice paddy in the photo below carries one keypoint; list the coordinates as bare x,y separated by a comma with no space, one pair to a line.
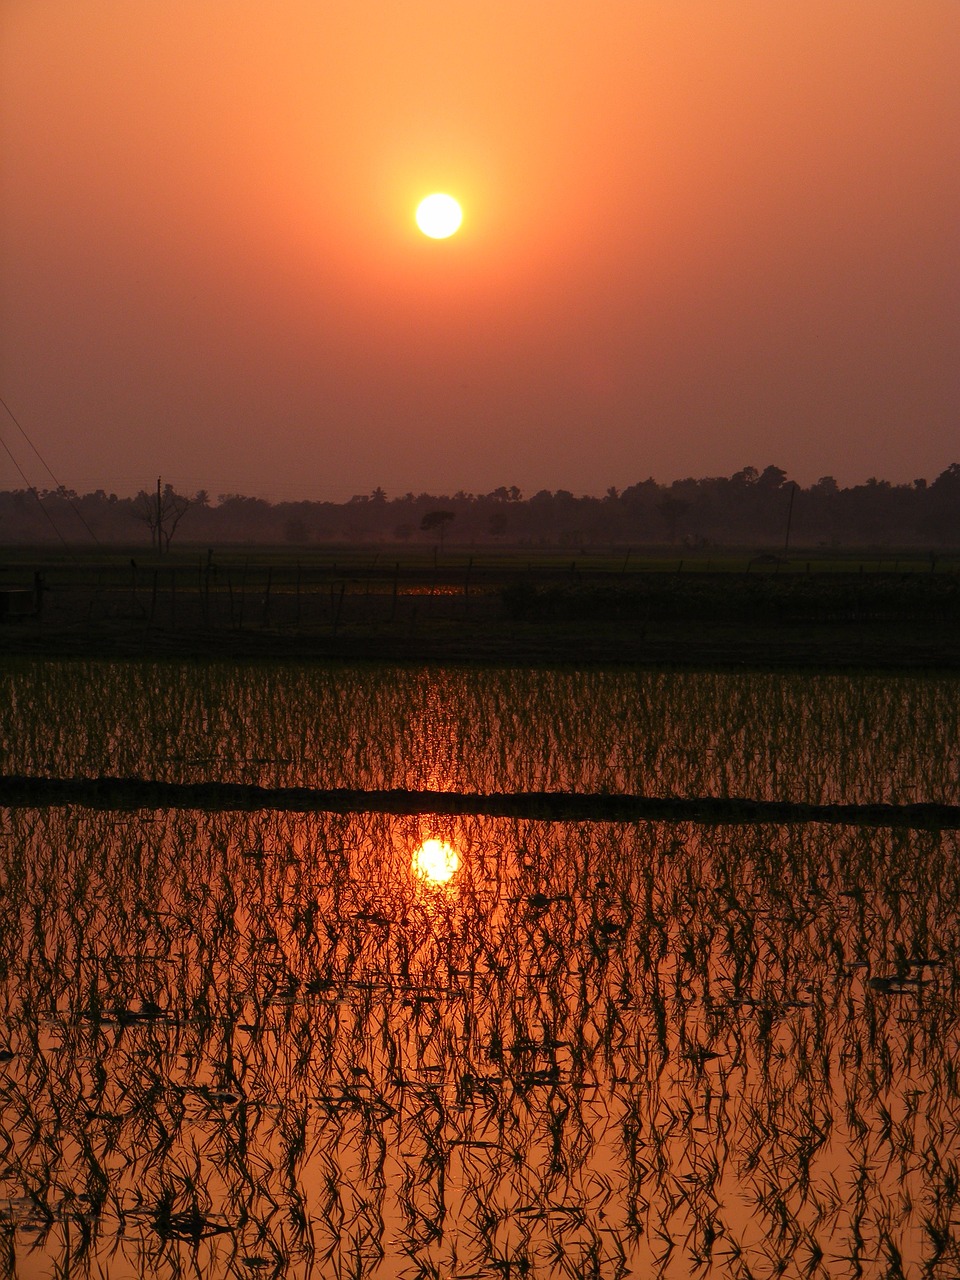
366,1045
817,739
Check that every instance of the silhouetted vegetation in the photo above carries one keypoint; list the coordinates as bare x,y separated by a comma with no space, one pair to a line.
161,513
749,508
437,520
266,1043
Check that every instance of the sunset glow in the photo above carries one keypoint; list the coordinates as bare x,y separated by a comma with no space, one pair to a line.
695,237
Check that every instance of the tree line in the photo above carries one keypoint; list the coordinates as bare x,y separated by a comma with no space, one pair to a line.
749,508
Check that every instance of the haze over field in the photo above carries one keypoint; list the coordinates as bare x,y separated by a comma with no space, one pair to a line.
696,235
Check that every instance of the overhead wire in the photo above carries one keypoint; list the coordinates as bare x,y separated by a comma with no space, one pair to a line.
31,489
45,465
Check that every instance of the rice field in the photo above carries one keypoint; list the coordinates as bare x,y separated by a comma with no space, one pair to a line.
282,1044
837,738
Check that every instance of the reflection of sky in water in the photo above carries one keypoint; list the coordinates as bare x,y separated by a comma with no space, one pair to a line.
674,1049
441,749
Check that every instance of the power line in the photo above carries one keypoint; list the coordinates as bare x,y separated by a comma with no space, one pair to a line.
76,509
30,489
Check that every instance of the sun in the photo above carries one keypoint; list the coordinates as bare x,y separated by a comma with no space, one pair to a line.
439,216
435,862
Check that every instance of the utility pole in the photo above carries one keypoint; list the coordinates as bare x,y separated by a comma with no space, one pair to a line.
159,520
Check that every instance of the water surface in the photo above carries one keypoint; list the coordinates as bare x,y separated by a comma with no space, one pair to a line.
279,1044
816,739
263,1044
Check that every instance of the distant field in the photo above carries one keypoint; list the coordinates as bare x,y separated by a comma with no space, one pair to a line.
648,607
382,559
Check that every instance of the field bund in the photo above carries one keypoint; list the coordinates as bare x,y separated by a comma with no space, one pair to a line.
140,793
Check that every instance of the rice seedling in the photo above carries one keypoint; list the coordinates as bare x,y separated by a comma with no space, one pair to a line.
801,738
243,1043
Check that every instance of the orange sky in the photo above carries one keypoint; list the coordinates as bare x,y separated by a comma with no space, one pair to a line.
698,234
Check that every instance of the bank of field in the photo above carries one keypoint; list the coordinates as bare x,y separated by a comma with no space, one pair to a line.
515,606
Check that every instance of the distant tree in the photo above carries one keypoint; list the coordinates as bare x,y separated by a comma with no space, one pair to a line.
945,504
498,524
672,510
948,481
437,520
161,512
772,478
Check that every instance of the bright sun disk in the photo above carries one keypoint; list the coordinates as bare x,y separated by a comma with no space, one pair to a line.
435,861
439,216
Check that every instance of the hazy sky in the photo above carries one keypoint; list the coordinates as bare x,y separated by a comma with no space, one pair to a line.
698,234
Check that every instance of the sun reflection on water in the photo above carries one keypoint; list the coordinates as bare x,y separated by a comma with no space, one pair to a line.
435,862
